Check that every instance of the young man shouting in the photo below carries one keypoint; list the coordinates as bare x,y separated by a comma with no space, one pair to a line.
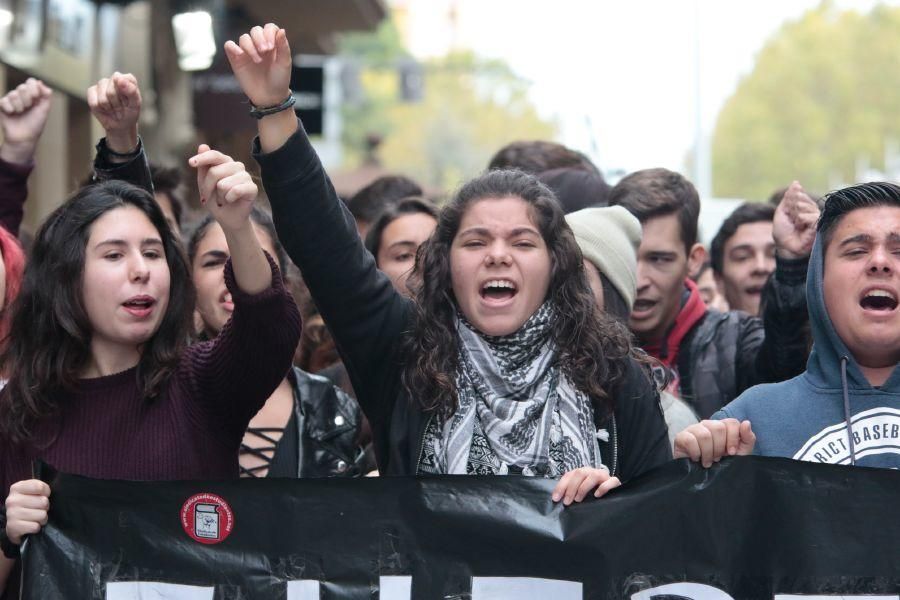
845,408
711,356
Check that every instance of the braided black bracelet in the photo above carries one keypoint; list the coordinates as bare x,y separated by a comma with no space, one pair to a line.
258,112
9,549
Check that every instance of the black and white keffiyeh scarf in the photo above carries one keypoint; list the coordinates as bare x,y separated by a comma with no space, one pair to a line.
516,405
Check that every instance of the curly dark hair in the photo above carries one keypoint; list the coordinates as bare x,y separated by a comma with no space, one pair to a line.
593,347
50,332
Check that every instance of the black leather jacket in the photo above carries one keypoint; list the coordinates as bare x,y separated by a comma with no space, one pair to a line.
320,439
726,353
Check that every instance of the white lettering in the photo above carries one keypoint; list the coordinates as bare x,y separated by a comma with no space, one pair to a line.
304,589
875,431
395,587
791,597
154,590
524,588
691,591
399,587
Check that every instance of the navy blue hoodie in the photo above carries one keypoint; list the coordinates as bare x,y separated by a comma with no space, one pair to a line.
806,417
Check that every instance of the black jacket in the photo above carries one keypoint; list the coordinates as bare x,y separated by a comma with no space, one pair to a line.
320,438
727,353
368,318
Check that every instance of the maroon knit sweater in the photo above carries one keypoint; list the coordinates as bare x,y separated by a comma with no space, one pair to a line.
13,192
194,430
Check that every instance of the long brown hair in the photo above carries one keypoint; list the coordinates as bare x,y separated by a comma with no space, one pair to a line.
50,332
592,347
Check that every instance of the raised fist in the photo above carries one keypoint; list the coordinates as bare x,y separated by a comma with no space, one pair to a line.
23,114
116,103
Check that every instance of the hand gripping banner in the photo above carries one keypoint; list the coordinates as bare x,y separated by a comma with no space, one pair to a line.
747,528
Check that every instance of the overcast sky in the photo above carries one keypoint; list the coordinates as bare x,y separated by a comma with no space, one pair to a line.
619,76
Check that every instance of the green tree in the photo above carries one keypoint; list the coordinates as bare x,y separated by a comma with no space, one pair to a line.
374,56
470,108
824,93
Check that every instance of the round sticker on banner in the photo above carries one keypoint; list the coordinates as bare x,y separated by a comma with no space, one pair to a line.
207,518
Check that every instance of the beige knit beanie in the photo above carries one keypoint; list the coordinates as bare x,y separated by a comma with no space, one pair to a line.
609,238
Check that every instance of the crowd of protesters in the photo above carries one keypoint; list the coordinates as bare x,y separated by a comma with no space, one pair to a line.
538,323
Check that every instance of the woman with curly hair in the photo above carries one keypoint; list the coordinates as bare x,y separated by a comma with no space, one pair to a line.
501,362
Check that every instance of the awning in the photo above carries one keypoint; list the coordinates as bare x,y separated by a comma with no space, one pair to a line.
311,24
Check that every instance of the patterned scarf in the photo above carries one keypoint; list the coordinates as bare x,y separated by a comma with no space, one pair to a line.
515,408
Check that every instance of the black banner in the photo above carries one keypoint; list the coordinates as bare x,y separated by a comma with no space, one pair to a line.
747,528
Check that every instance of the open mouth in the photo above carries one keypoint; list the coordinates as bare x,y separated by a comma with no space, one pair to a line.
879,300
498,290
139,305
227,302
754,290
643,305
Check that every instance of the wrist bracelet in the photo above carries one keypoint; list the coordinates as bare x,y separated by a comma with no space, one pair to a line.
111,152
258,112
9,549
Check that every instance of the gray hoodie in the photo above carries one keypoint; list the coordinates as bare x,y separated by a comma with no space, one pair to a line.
807,417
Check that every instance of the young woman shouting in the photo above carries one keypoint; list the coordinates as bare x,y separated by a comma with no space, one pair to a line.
501,363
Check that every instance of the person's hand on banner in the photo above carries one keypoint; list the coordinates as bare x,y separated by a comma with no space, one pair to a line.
26,508
794,225
116,103
708,441
575,485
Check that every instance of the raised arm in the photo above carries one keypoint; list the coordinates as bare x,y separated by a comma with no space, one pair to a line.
116,104
364,313
227,190
261,61
233,375
783,353
23,115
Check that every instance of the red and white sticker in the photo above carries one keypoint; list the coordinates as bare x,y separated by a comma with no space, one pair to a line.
207,518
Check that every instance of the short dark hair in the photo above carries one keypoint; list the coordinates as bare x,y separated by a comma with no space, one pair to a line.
366,204
657,193
537,156
168,181
749,212
406,206
576,188
848,199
